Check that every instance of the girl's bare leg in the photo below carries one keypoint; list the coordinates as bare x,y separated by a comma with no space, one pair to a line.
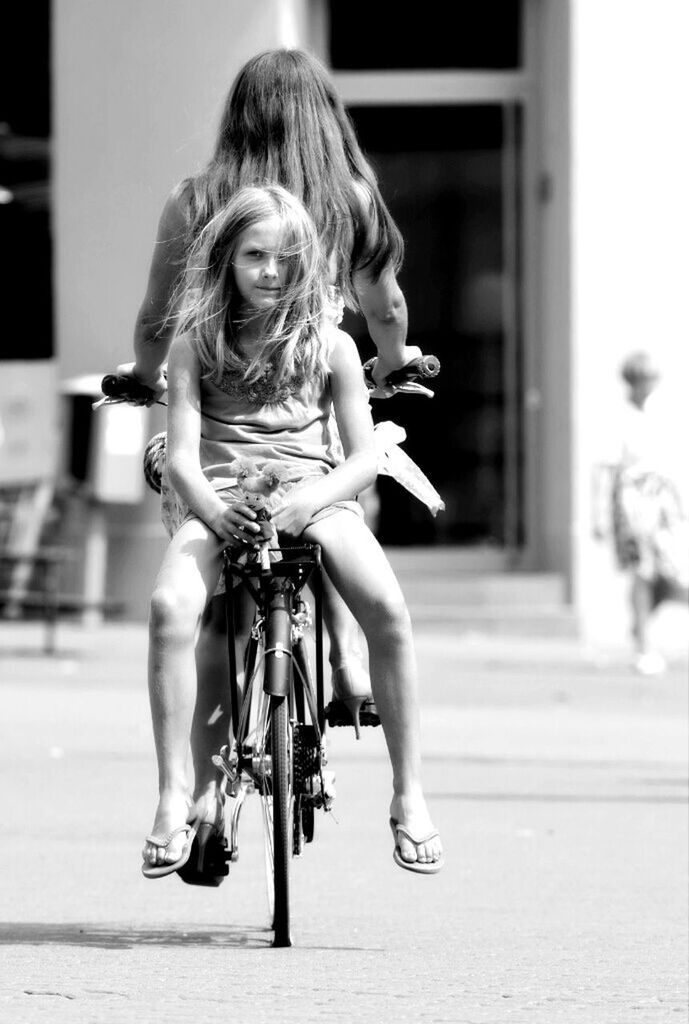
187,576
212,714
359,569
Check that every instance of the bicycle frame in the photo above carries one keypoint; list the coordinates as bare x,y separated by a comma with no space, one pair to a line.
274,586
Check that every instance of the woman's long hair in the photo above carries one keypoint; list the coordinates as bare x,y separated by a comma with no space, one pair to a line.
294,344
284,122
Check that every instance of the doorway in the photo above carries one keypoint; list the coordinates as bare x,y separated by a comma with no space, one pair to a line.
448,131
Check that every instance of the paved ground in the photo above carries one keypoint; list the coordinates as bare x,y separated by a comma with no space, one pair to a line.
559,783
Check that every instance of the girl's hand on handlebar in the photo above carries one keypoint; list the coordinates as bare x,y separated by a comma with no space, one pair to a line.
157,382
237,522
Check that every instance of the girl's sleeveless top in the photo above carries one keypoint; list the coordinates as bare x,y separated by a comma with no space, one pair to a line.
292,428
294,425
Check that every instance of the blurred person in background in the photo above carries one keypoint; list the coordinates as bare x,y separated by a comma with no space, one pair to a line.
646,500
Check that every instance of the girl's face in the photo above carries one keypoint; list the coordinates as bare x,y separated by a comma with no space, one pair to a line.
258,272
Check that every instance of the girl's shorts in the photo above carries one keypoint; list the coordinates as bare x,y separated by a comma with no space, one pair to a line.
174,512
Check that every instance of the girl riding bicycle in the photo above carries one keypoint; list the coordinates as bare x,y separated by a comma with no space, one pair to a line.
253,374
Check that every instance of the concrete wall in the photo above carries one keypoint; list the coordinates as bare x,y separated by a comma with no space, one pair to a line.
138,92
629,228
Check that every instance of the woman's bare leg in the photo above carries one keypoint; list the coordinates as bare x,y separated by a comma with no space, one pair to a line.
344,636
359,569
210,727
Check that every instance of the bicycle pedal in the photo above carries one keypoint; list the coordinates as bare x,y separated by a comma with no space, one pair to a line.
337,716
369,718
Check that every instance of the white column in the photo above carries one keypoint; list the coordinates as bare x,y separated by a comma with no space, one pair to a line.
629,231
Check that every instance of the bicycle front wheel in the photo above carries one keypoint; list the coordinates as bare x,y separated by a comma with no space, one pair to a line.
281,776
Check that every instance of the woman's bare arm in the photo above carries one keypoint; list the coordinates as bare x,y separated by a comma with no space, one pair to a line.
384,306
155,322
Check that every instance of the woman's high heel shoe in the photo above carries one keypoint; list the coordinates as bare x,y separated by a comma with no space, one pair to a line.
352,709
207,861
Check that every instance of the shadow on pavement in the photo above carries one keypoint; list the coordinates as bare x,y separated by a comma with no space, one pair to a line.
39,933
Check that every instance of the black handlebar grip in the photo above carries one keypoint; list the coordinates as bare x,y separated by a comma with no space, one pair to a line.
417,369
125,388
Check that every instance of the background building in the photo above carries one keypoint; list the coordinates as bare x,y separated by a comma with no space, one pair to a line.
534,157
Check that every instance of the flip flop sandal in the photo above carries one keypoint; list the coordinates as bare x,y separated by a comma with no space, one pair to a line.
420,867
158,870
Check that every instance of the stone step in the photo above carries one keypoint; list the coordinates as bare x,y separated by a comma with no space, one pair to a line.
506,620
439,576
460,590
472,591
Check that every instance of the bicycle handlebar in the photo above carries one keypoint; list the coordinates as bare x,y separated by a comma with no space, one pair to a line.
127,389
405,379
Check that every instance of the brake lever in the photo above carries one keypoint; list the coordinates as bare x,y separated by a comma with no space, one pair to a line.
409,387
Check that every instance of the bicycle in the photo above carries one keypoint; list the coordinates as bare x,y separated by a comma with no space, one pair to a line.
278,743
278,747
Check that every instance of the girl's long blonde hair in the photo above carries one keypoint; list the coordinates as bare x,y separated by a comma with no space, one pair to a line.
294,336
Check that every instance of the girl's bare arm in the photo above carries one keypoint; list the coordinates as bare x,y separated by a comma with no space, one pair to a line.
359,470
183,437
